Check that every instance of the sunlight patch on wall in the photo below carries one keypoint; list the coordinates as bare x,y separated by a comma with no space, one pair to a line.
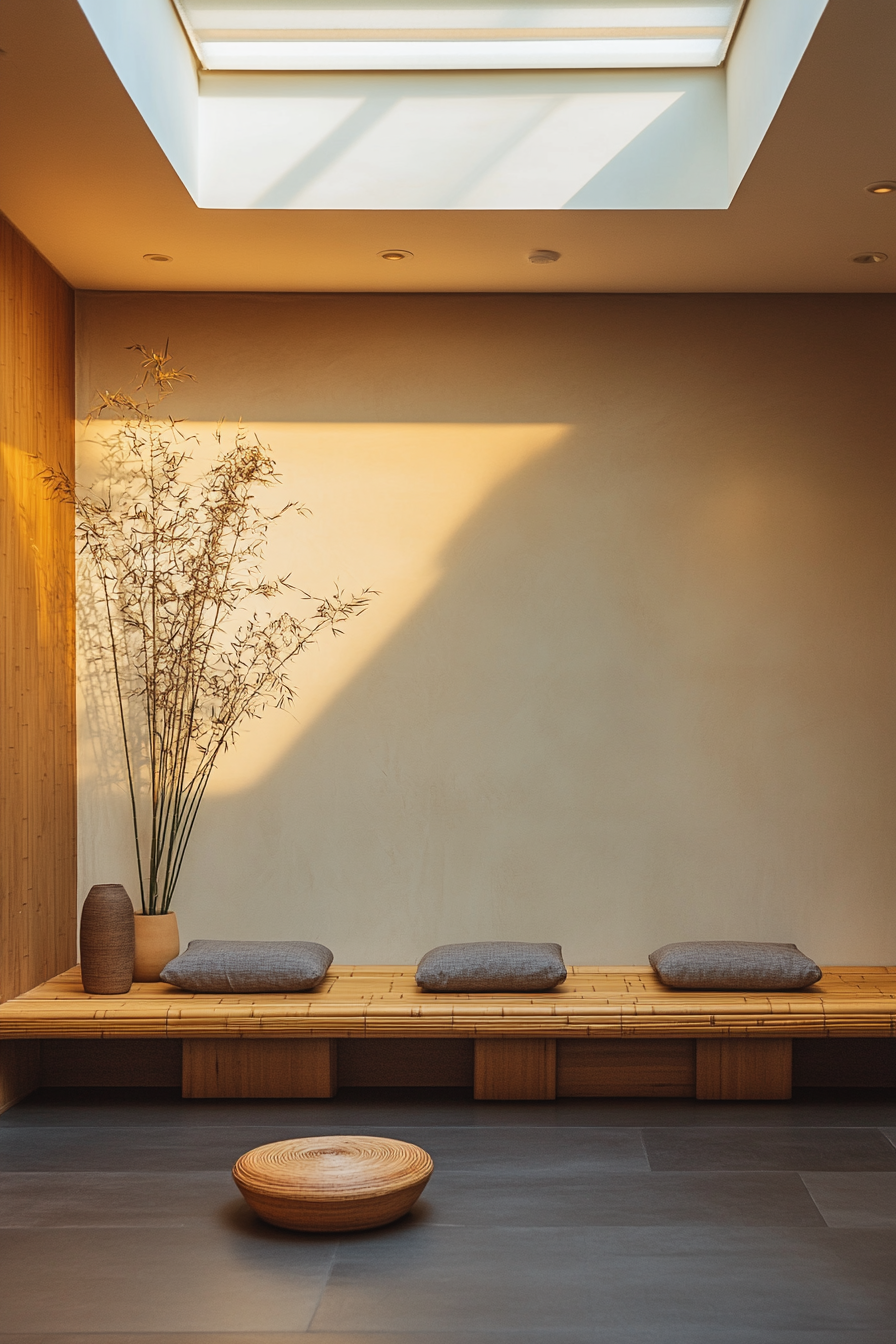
385,500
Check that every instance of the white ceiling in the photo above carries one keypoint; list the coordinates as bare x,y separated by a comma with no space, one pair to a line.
83,178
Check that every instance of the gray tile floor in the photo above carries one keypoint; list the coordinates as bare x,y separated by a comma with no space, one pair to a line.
575,1222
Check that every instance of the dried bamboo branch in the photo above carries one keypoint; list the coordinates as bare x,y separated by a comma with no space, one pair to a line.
179,564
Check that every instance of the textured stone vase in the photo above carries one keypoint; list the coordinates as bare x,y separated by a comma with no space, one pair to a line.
107,940
157,943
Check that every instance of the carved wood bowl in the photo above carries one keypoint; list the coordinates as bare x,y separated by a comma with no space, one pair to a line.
339,1183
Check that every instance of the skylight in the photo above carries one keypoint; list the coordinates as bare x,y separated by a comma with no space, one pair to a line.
618,34
628,133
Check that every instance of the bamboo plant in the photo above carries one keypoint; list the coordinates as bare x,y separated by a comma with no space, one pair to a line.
177,563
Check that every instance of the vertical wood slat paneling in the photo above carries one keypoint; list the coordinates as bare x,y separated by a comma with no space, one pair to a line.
37,666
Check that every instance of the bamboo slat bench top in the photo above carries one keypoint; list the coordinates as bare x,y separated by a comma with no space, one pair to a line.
383,1001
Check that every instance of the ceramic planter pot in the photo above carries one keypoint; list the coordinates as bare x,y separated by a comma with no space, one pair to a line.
156,942
107,940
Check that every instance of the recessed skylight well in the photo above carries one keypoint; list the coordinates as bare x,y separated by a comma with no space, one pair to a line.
290,35
457,104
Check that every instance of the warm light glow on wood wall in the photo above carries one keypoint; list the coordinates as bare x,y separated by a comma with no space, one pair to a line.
37,728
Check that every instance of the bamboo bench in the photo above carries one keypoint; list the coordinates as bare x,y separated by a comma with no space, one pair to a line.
607,1031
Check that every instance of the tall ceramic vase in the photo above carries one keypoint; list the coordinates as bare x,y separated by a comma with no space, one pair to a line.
107,940
157,942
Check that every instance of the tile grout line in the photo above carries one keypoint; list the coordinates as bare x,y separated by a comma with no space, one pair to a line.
323,1288
644,1149
799,1176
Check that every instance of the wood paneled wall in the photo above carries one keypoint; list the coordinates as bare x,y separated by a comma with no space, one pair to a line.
37,664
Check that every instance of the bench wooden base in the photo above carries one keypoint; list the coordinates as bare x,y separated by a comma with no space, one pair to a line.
744,1069
717,1069
630,1068
513,1068
724,1069
19,1071
584,1068
279,1068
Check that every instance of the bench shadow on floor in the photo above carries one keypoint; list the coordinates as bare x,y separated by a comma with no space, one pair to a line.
646,1222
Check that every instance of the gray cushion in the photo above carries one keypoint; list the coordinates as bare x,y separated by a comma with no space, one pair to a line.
755,966
470,968
213,966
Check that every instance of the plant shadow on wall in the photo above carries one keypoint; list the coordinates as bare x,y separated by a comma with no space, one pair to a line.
184,625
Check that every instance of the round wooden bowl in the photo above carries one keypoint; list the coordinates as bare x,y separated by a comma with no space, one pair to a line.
340,1183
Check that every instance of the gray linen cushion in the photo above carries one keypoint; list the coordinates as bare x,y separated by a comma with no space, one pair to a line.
721,965
214,966
470,968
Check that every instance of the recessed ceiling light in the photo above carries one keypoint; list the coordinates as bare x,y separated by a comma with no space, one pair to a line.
869,258
881,188
156,256
395,254
543,256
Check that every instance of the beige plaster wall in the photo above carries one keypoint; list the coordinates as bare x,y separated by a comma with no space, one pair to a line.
631,675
